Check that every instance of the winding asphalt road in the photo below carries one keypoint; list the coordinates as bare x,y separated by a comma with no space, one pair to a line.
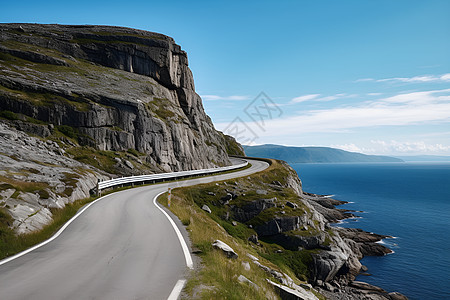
121,247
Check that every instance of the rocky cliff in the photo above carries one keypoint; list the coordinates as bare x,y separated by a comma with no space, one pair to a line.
95,101
118,88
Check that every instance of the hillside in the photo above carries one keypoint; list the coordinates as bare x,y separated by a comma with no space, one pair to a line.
313,154
81,103
274,237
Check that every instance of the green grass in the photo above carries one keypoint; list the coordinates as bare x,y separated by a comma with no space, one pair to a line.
218,272
22,186
68,131
135,152
103,160
10,243
9,115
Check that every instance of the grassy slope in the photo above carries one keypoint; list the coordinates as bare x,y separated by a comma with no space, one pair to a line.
217,278
10,243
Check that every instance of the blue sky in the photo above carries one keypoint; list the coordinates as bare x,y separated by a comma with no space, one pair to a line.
367,76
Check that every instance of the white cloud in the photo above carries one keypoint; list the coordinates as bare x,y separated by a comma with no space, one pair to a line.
216,97
419,97
349,147
364,79
414,79
316,97
409,147
304,98
400,110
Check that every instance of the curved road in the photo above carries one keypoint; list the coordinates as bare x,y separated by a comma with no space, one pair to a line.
122,247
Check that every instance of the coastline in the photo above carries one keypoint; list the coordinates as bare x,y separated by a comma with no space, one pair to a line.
362,243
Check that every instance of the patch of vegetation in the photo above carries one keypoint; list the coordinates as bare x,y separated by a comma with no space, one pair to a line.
70,180
23,186
297,261
160,107
135,152
9,115
47,99
232,147
103,160
10,243
68,131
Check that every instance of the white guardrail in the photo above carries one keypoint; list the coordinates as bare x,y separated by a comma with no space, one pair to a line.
152,178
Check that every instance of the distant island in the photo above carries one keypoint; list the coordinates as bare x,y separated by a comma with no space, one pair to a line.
313,154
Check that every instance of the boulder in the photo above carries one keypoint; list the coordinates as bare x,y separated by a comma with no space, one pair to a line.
206,208
291,204
227,198
365,286
246,266
250,210
254,239
244,279
287,293
225,248
397,296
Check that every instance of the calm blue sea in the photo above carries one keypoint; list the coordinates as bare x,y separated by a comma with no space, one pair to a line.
410,201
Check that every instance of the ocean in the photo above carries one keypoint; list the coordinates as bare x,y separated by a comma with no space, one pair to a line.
409,201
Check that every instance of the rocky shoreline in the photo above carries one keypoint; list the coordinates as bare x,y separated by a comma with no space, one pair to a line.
286,224
362,243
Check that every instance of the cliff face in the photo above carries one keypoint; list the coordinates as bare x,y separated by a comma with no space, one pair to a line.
119,89
79,103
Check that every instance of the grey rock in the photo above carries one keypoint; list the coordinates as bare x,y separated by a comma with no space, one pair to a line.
252,209
254,239
261,192
291,204
225,248
129,164
234,223
279,225
252,257
244,279
397,296
206,208
365,286
269,228
246,266
288,293
227,198
158,114
29,156
328,286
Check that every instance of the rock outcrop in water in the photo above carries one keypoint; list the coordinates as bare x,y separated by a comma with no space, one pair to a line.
94,102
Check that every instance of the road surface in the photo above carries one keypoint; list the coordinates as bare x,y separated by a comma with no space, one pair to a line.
121,247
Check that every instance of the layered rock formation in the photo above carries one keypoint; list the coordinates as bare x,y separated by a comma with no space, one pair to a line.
119,89
78,103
